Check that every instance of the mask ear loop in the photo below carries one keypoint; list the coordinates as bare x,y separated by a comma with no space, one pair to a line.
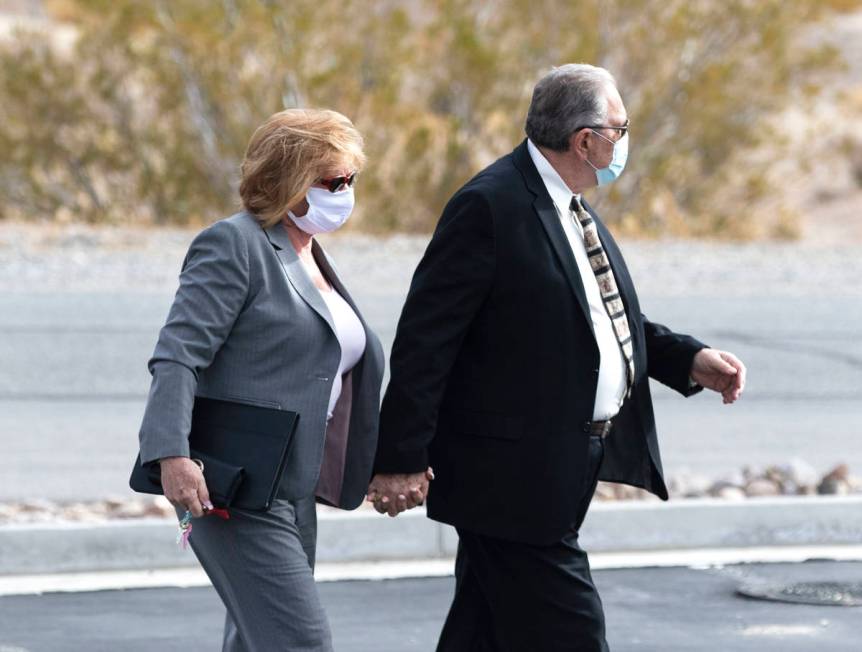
612,142
589,162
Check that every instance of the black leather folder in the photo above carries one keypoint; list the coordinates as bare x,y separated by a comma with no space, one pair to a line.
243,449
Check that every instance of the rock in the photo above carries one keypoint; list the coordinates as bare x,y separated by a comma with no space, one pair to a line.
730,492
604,491
114,502
37,505
801,473
833,487
775,474
8,513
626,492
840,472
762,487
689,485
80,512
734,478
750,473
164,503
727,490
836,482
132,509
159,508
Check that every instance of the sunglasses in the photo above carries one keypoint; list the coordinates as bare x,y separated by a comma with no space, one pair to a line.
335,184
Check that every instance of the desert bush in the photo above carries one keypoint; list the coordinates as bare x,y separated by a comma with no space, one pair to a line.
144,114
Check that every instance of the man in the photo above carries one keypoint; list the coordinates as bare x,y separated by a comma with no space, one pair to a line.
520,374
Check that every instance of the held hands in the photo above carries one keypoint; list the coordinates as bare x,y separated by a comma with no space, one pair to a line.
393,493
183,484
720,371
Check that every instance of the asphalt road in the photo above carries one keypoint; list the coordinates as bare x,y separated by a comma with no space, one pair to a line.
73,384
648,610
79,319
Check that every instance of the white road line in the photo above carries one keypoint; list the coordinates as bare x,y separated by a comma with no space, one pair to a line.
195,577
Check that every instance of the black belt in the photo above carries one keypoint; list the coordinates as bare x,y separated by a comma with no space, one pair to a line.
599,428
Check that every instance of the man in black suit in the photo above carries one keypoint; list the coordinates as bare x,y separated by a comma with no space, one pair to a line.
520,373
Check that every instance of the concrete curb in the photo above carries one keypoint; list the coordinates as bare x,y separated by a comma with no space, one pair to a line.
360,537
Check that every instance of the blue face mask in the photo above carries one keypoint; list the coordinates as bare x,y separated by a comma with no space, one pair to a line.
618,162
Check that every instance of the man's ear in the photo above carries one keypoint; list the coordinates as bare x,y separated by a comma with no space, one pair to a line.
579,143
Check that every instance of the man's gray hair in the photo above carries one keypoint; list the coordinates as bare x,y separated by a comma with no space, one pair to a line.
567,98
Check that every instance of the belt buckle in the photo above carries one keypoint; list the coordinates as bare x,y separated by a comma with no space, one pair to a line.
605,428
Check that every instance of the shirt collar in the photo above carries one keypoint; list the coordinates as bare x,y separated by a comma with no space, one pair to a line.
557,188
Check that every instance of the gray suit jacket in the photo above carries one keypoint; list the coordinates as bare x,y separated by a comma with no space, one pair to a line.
247,324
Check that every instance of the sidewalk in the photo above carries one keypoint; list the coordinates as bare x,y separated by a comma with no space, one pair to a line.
629,527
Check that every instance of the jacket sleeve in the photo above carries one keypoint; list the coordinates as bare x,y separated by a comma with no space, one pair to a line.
213,288
448,288
670,356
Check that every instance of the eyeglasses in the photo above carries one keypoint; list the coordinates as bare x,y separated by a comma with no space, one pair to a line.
335,184
623,130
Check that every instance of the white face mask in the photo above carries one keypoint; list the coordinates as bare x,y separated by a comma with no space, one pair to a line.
327,211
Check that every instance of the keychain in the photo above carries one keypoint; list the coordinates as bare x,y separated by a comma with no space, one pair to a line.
185,524
185,530
186,521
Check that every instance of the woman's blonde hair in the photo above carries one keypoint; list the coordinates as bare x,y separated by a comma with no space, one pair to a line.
288,153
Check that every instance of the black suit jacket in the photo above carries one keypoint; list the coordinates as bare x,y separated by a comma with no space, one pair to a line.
495,365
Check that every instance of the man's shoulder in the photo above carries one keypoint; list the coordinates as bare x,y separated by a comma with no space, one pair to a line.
497,182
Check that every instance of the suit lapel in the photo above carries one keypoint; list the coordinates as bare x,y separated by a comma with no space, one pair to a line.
550,219
296,273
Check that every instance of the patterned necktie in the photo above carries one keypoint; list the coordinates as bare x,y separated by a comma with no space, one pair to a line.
607,287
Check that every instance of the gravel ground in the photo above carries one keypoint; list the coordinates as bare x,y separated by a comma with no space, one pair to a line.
89,259
794,479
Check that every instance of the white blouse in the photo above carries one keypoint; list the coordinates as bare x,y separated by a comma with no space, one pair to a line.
351,337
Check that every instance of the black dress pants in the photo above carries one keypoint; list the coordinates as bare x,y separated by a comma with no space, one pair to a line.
517,597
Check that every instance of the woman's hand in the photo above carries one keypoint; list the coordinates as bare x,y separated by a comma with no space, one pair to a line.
184,485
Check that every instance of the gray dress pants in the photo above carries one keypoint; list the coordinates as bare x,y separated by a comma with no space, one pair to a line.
261,563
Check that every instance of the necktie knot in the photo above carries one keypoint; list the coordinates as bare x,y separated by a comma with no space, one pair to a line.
580,213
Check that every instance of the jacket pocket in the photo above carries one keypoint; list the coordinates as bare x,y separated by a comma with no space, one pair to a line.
487,424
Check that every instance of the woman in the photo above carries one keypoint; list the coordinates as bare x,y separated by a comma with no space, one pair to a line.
261,317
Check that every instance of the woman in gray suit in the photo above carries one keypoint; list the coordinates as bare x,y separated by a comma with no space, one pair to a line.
262,317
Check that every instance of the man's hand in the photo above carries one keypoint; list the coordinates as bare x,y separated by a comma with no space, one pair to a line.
393,493
720,371
183,484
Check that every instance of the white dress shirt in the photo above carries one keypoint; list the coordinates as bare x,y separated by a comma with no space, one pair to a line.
612,367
